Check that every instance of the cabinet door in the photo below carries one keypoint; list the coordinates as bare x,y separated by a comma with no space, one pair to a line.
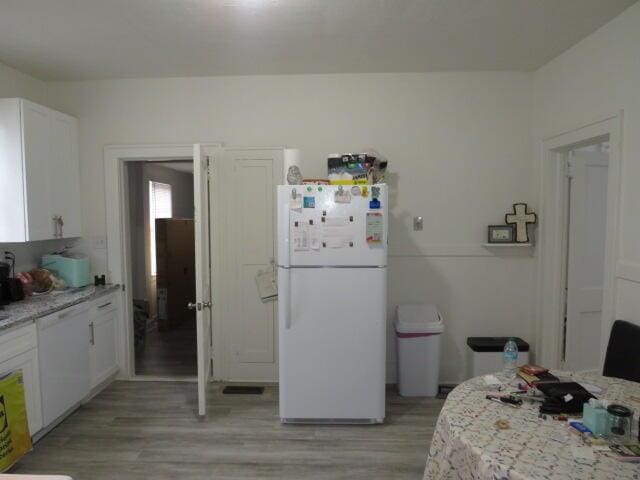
102,353
13,227
28,363
63,351
65,173
36,132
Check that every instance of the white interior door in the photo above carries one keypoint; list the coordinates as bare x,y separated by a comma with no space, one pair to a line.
588,172
203,301
249,326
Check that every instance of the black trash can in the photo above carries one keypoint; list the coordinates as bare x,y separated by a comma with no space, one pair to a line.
484,354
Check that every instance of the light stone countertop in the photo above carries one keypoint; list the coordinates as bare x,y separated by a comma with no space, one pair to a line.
37,306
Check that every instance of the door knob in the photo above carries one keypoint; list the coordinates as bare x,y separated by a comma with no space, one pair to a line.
206,304
194,306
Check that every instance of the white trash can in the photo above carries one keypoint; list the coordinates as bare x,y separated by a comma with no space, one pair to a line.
419,329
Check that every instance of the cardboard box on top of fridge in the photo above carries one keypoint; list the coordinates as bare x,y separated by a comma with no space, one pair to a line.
355,169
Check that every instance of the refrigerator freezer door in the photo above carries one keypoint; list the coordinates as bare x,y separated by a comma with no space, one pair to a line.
331,226
332,344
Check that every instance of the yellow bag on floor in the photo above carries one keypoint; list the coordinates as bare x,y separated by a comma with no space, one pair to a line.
15,439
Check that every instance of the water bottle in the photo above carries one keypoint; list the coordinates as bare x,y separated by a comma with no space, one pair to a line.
510,357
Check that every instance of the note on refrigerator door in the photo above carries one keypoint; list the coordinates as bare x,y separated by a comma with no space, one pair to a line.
338,231
375,228
295,203
336,221
342,196
300,238
338,242
314,237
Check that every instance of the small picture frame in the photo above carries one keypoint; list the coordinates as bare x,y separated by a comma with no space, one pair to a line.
500,234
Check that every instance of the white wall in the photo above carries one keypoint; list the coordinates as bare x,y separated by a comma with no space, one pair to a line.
597,77
458,143
17,84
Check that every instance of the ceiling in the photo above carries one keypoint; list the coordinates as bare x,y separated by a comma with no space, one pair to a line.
95,39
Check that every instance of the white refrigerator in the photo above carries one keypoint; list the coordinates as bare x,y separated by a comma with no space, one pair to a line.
332,302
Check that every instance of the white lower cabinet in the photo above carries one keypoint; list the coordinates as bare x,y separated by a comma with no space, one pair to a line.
18,351
102,341
64,357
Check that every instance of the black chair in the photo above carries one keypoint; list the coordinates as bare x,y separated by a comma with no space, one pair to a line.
623,352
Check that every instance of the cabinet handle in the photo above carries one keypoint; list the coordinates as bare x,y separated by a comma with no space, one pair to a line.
104,305
56,226
92,340
66,314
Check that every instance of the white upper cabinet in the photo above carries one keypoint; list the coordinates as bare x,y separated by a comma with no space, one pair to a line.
36,146
39,184
65,173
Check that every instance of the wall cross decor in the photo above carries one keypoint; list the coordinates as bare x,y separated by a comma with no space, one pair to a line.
521,218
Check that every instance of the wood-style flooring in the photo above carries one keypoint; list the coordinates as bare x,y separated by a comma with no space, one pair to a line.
149,430
170,352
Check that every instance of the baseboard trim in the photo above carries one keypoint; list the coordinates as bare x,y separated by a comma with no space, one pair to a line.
43,432
102,384
627,270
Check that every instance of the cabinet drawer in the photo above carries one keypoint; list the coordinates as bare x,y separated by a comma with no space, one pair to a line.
17,340
50,320
104,305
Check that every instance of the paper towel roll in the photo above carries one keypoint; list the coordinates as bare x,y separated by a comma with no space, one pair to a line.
291,159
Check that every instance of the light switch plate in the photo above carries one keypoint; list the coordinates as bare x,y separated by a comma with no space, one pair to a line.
417,224
99,243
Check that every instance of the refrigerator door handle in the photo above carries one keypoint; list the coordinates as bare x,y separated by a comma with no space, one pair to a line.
284,232
287,297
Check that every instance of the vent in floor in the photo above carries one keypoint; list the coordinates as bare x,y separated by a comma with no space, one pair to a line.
242,390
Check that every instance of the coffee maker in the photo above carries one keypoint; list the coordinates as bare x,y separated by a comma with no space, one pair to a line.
5,274
10,287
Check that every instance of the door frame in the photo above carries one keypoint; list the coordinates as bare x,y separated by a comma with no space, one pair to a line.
118,239
553,151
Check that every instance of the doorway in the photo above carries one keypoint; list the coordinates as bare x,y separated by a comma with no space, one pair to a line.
585,235
162,259
234,217
568,296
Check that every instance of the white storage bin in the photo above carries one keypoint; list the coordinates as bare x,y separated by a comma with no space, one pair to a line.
419,329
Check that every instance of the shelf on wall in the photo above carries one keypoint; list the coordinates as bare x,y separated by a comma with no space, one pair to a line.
510,249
